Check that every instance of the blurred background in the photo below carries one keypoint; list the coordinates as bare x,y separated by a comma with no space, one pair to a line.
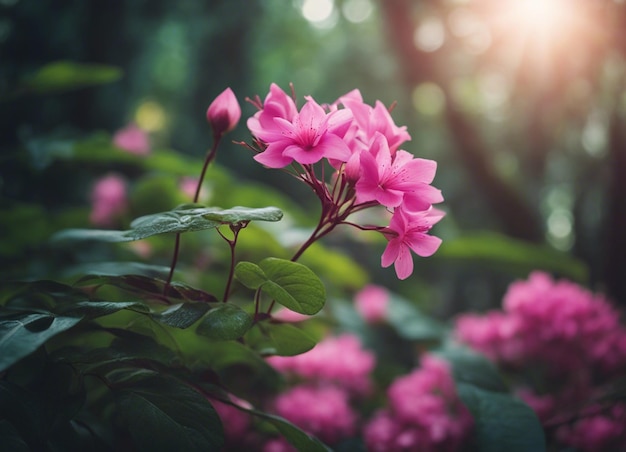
521,102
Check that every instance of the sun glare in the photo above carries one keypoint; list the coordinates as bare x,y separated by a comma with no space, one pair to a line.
542,14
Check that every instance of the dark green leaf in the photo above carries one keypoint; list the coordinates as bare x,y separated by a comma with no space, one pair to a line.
502,422
11,439
118,269
505,253
67,75
23,410
182,315
93,309
163,414
225,322
471,367
21,336
291,284
296,437
148,288
179,220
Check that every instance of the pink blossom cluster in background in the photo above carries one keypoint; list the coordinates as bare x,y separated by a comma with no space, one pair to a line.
372,303
108,200
132,139
324,411
570,339
328,379
340,360
362,144
424,413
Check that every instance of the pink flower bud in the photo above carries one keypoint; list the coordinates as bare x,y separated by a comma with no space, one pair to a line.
224,112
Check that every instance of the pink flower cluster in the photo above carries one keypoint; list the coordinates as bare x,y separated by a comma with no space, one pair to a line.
557,323
424,413
339,360
573,344
329,378
324,411
361,143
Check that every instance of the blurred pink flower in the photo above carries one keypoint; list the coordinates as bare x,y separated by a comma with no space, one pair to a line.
557,323
340,360
424,413
224,112
287,315
108,198
132,139
599,430
322,411
372,302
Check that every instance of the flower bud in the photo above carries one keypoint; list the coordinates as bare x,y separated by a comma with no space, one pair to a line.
224,112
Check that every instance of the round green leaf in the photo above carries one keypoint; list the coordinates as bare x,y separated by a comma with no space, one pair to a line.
293,285
226,322
250,275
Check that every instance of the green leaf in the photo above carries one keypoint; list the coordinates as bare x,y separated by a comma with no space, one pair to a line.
94,309
186,218
250,275
471,367
182,315
504,253
21,336
281,339
67,75
411,323
296,437
501,421
162,414
148,288
23,410
291,284
225,322
11,439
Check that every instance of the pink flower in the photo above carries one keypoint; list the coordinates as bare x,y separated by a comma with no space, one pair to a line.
371,302
277,104
108,198
372,120
312,135
408,231
321,411
224,112
340,360
132,139
424,413
392,181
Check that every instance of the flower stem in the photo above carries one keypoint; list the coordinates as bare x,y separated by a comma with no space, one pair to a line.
209,158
